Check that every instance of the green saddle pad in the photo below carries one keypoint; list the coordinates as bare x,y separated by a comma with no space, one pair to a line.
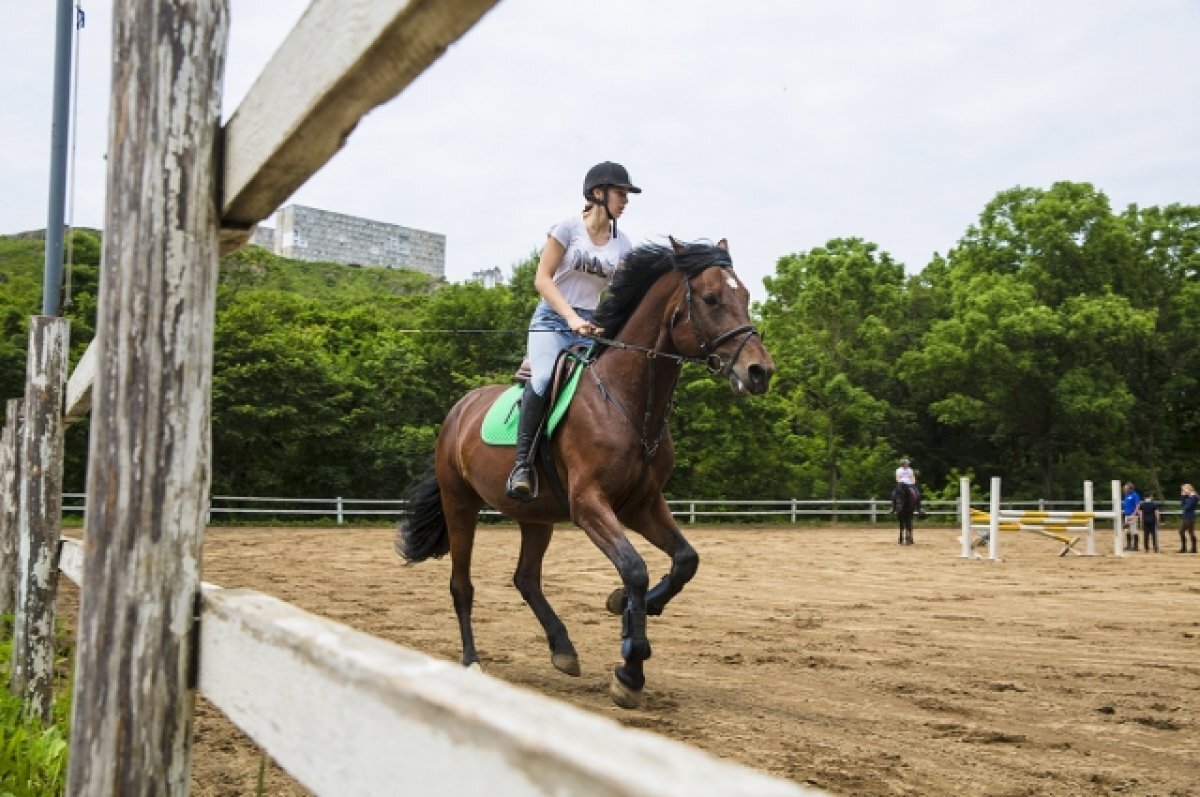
500,423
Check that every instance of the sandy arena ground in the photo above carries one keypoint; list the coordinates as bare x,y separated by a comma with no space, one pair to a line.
830,656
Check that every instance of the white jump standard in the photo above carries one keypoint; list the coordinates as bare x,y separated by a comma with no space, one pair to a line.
1065,526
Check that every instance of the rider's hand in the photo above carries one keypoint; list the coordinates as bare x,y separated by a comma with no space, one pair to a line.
586,328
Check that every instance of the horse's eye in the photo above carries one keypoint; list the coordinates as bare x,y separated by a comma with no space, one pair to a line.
710,299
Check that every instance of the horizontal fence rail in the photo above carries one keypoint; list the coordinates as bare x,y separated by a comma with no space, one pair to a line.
363,702
226,508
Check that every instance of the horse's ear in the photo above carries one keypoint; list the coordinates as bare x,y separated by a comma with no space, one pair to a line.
723,244
678,247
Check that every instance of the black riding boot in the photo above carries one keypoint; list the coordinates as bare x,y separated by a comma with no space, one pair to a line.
522,483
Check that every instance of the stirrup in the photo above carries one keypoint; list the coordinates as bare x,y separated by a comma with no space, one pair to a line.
521,492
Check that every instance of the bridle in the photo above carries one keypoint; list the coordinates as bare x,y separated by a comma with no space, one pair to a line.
712,360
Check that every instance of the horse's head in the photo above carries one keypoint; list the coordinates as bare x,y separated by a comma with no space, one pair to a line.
712,319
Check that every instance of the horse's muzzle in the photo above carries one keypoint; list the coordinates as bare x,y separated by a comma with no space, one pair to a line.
752,379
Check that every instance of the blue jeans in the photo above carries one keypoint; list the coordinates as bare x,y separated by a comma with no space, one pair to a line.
548,335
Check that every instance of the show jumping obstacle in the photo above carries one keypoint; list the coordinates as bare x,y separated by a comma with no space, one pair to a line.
1068,527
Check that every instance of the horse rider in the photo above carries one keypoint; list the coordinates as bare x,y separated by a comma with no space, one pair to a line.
578,260
906,479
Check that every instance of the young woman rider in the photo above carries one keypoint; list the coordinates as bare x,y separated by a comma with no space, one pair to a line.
581,254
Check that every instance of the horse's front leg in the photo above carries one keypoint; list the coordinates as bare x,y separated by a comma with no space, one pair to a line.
596,518
629,679
657,525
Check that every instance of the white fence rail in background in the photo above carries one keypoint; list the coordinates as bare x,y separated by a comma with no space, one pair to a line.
229,508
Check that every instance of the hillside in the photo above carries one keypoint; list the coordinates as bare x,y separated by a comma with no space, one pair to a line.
22,256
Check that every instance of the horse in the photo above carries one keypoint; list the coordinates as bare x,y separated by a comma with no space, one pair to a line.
612,452
906,507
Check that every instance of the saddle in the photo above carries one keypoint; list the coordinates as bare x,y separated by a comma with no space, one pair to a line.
500,423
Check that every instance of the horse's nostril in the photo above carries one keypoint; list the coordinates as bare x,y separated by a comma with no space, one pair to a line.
759,375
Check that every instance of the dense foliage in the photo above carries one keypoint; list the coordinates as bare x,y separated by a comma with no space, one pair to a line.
1055,342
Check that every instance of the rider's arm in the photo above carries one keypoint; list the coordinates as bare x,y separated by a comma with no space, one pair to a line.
548,263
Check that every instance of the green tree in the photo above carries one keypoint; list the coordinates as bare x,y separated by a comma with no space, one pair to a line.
1031,357
833,320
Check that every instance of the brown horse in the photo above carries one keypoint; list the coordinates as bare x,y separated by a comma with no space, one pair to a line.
613,451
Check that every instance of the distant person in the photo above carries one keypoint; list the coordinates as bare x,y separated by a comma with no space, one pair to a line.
906,479
1187,517
1129,506
1150,517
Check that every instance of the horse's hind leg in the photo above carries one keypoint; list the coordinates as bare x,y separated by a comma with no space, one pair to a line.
535,539
461,518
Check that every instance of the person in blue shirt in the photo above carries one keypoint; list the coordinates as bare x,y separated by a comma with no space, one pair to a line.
1187,517
1129,506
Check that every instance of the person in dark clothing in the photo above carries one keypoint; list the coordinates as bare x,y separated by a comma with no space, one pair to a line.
1187,517
1150,516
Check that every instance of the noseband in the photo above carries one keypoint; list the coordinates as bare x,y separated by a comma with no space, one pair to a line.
712,360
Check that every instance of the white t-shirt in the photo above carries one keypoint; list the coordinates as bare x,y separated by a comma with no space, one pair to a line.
905,475
586,268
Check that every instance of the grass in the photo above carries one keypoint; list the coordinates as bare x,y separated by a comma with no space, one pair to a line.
33,759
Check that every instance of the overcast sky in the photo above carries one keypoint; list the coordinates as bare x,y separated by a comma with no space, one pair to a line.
778,124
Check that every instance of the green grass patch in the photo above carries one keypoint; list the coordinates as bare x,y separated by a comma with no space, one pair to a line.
33,759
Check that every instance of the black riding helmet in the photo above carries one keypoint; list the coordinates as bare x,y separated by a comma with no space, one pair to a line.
606,174
603,175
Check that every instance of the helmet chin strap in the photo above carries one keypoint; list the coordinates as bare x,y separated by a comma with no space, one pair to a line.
611,218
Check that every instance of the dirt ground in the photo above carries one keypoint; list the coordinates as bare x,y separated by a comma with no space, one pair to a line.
830,656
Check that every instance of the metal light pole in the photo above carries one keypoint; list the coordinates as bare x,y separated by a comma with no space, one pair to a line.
52,272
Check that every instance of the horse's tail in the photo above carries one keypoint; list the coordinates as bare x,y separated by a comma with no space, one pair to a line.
423,532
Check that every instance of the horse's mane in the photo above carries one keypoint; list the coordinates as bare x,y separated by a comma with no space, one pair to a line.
642,269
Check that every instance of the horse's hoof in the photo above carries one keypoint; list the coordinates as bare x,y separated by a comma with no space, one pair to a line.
622,695
566,662
476,666
616,601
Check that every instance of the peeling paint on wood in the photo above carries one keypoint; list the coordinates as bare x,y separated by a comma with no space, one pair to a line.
40,514
149,458
10,503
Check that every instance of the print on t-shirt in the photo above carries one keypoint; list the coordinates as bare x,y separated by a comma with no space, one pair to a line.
590,264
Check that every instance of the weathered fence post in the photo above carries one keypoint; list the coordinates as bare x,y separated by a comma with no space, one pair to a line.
149,451
10,495
40,514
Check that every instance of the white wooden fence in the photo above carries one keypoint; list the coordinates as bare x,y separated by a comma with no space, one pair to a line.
343,712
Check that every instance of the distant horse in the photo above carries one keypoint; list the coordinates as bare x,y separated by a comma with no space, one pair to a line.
906,507
613,452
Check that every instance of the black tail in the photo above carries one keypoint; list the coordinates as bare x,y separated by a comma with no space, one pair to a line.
423,532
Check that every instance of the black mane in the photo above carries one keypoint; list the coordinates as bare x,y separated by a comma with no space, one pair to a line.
642,269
